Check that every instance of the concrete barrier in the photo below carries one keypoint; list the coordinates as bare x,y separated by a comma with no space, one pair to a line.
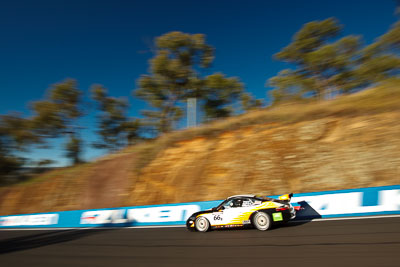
328,204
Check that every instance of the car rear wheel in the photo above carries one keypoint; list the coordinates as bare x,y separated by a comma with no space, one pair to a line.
202,224
262,221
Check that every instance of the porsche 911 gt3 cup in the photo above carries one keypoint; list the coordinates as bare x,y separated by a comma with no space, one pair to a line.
242,210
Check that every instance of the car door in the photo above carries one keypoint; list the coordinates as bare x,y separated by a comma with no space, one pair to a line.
218,217
234,215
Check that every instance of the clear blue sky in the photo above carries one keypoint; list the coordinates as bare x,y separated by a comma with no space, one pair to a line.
108,42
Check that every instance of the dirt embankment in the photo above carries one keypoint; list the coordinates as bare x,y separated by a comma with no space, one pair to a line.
325,154
355,143
105,183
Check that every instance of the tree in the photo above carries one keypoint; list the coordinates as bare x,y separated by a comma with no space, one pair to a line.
74,149
132,129
289,86
56,116
43,163
391,39
339,67
219,94
115,128
322,68
173,77
249,102
15,136
380,60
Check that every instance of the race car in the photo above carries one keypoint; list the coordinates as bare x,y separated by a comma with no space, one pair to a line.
244,210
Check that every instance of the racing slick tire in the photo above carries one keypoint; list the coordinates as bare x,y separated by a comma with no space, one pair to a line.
262,221
202,224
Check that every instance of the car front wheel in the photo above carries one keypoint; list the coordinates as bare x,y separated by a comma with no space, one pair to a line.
202,224
262,221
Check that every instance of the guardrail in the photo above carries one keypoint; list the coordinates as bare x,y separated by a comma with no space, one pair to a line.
341,203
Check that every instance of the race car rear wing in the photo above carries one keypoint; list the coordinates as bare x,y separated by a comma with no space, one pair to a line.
283,199
286,197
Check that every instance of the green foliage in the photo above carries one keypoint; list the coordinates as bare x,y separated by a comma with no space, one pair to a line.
74,149
46,122
66,96
322,67
249,103
132,129
9,165
380,60
378,68
326,68
115,129
391,39
173,77
308,40
15,135
16,132
44,163
289,86
56,116
53,117
219,93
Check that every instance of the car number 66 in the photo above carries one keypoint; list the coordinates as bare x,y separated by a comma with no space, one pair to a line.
217,218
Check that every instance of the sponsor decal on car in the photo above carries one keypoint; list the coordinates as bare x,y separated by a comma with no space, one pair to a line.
277,216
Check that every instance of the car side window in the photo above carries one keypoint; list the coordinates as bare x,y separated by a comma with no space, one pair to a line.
228,204
237,203
247,202
233,203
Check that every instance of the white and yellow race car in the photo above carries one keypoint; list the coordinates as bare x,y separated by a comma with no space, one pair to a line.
243,210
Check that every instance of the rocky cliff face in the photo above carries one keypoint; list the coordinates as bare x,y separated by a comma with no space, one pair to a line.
318,153
325,154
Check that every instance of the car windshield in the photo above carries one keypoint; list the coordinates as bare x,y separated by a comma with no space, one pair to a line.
226,204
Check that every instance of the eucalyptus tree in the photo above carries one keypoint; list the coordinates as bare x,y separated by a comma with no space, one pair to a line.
116,129
56,116
173,77
324,65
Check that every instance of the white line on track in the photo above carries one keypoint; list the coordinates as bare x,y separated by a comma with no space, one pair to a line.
178,226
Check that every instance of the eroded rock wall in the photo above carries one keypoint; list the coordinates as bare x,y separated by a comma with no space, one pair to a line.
324,154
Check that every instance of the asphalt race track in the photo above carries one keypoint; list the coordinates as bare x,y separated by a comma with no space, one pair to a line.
366,242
